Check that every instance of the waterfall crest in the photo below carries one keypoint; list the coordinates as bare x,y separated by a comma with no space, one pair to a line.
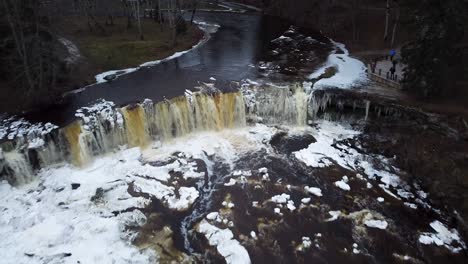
103,128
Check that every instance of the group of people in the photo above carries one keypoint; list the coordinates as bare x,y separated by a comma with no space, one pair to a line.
392,56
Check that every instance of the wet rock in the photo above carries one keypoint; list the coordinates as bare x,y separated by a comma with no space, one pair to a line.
286,144
110,77
159,237
98,196
75,186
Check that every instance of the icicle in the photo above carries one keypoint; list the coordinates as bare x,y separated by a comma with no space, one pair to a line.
367,109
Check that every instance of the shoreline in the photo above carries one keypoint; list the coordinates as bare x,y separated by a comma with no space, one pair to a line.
207,29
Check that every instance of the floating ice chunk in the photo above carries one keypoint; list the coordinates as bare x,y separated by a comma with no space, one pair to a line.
422,194
355,249
255,203
334,216
313,190
266,177
305,200
231,182
306,242
443,237
187,196
380,199
380,224
345,179
342,185
385,189
263,170
277,211
291,206
246,173
212,79
411,205
369,185
405,194
281,198
253,234
227,246
212,215
228,204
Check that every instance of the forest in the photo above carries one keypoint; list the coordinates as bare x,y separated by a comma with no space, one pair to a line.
35,68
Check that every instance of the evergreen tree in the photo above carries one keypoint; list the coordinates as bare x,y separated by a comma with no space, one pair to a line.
433,55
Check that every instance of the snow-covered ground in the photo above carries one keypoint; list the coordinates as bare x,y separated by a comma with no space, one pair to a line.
73,52
13,127
75,214
47,221
350,71
71,214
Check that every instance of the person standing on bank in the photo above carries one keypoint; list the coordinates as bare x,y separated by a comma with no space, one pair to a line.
392,72
392,54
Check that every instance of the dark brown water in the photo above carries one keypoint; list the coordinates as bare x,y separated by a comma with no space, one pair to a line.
231,54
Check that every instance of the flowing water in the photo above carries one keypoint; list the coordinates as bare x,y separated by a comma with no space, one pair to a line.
266,152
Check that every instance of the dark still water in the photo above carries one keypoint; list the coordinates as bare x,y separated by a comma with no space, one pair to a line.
242,40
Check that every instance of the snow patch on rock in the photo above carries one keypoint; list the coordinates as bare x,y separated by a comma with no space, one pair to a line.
223,240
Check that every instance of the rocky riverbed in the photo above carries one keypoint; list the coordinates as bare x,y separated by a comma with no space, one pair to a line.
365,181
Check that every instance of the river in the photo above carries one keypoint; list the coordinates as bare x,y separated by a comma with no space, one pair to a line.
237,172
231,54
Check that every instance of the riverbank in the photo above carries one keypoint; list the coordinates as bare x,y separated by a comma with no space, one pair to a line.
121,47
87,52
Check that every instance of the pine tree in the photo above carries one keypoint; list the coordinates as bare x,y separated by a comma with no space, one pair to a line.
433,55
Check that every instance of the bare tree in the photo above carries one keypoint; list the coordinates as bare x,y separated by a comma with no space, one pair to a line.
194,5
387,15
138,17
13,15
395,24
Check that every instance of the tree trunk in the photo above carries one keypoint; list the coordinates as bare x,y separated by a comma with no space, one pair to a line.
173,22
193,12
139,19
387,15
18,36
397,20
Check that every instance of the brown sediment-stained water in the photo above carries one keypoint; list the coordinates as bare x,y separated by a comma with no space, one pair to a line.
347,178
279,237
241,49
